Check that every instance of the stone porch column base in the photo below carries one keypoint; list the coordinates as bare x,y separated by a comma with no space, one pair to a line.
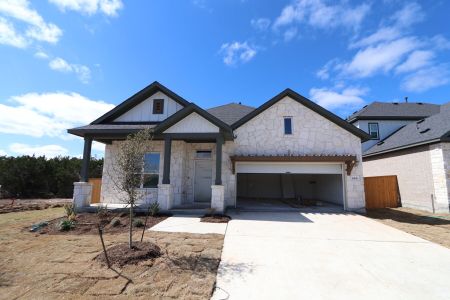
218,198
82,195
165,196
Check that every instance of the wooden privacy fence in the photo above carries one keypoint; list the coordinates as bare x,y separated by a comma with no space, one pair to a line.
381,191
96,189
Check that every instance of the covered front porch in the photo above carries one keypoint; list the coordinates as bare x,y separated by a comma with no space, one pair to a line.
188,168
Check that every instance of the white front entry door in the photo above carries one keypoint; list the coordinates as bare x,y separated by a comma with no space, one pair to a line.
203,180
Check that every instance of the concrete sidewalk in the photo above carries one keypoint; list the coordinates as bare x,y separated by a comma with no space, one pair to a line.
326,255
189,224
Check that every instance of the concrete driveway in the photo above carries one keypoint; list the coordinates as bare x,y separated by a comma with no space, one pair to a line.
327,255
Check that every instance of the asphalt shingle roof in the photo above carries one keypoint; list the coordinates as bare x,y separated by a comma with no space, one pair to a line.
230,113
395,110
433,128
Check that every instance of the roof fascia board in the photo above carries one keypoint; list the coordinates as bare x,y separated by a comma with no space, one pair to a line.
307,103
139,97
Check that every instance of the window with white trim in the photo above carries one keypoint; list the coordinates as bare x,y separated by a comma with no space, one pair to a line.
150,170
374,131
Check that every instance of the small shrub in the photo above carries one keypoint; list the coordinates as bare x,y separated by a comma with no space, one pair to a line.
115,222
66,225
70,211
154,208
138,223
102,212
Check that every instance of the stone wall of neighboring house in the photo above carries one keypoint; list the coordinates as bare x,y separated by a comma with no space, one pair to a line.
420,174
440,162
312,134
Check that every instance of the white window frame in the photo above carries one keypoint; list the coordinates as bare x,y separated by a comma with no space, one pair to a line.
377,130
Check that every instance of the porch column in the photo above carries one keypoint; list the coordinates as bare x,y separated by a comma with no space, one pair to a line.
219,142
86,159
167,154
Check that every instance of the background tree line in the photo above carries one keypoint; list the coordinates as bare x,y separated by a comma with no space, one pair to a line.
41,177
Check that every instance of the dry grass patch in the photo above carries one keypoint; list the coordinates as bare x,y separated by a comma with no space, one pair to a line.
435,228
37,266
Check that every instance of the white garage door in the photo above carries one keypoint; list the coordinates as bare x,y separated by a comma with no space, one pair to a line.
288,167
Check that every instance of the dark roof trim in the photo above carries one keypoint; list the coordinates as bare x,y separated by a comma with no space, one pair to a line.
191,108
444,138
309,104
409,118
138,98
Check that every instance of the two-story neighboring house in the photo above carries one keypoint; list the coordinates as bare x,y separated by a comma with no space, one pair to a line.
411,141
381,119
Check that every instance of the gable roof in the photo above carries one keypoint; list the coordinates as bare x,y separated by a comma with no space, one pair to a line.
230,113
138,98
435,128
394,111
191,108
307,103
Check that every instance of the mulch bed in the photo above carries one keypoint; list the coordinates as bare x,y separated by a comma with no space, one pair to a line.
216,218
121,254
87,223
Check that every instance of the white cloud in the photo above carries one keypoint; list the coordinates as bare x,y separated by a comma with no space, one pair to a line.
9,35
98,146
348,98
410,13
383,34
260,24
47,150
3,152
416,60
236,52
41,55
37,29
90,7
290,34
382,57
320,15
426,79
59,64
49,114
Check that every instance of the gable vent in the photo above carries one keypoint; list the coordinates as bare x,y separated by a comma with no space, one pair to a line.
426,130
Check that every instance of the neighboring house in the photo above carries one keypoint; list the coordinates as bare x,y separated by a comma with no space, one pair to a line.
289,147
417,152
380,119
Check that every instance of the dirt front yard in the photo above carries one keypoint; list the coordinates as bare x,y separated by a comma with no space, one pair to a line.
432,227
15,205
43,266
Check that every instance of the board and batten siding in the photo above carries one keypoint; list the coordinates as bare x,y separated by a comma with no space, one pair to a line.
143,112
193,123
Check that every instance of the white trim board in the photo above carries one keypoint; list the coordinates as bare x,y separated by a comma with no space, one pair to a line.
288,167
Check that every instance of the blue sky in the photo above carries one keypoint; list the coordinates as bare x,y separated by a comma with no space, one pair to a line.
66,62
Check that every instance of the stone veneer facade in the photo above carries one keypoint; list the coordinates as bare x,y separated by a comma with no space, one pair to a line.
421,182
262,135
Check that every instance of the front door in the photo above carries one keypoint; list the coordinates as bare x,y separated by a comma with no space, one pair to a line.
203,180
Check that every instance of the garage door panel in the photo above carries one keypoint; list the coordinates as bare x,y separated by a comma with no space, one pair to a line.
295,168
